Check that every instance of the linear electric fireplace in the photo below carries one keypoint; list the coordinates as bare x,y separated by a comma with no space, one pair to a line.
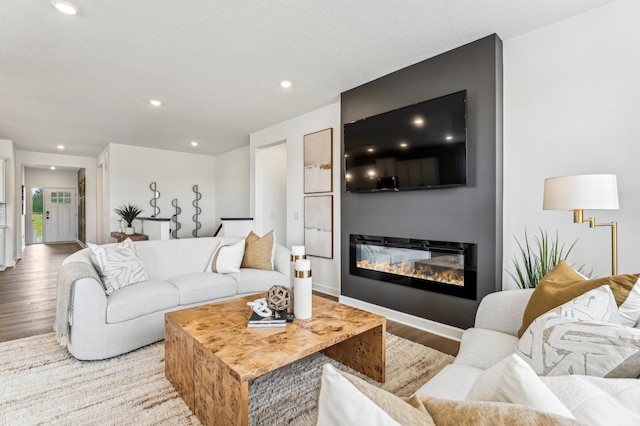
440,266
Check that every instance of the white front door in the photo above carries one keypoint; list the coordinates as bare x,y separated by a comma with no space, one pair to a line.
59,215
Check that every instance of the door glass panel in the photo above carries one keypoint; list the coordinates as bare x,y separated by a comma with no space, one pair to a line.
36,215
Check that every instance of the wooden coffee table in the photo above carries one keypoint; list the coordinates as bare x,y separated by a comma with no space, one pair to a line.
211,354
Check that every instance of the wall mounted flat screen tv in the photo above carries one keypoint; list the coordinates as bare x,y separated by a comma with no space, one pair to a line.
421,146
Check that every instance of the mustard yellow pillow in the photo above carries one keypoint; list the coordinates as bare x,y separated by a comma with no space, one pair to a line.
258,251
563,284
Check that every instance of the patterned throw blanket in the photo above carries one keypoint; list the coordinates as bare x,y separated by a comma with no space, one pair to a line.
67,277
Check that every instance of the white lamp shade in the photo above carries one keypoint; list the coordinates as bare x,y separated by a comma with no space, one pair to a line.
581,192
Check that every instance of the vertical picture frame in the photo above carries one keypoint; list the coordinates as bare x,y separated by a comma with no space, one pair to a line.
318,225
318,161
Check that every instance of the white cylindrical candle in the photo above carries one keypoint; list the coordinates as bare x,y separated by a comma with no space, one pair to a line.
302,289
297,253
297,250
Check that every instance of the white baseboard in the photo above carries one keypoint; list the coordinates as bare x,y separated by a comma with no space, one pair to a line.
443,330
332,291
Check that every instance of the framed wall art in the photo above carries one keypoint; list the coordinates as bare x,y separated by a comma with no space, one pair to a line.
318,225
318,162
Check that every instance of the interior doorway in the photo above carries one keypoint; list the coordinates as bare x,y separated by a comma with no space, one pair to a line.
271,190
53,194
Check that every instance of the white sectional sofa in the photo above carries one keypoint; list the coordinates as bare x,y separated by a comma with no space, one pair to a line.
104,326
491,344
493,337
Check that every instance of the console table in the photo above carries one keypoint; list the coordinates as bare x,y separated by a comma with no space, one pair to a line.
121,236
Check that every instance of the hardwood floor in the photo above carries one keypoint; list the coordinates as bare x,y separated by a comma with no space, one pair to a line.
442,344
28,298
28,291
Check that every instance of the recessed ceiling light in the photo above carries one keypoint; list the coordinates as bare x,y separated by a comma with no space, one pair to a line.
403,144
65,7
449,137
285,84
370,149
155,102
418,121
194,143
60,146
52,167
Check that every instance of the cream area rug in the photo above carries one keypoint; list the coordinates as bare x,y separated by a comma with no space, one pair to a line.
40,383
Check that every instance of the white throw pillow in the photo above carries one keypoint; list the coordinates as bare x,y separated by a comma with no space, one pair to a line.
118,266
342,402
629,310
576,338
512,380
598,401
227,258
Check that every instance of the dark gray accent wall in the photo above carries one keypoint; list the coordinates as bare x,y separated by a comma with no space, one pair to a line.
471,214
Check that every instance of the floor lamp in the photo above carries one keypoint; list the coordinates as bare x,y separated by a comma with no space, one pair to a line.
585,192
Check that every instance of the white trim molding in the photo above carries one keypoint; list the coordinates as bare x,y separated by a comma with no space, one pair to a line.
437,328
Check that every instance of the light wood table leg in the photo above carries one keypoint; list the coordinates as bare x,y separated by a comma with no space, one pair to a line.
178,360
220,397
365,353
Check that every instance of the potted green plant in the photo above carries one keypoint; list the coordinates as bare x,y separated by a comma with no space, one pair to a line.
128,213
536,259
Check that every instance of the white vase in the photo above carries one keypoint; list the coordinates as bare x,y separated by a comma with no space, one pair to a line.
129,230
302,290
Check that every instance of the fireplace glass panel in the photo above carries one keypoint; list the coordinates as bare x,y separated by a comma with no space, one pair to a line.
444,267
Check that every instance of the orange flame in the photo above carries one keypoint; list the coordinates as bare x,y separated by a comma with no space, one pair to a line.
454,276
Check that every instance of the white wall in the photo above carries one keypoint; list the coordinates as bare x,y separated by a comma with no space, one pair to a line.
571,107
326,272
51,178
232,184
13,215
132,169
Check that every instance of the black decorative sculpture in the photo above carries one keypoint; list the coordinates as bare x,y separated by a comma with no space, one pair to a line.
198,211
154,200
174,218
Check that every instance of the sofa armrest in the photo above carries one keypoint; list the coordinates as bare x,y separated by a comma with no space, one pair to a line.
282,259
502,311
89,319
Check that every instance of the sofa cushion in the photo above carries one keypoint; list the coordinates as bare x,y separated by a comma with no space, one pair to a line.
259,251
256,280
201,287
118,265
482,348
562,284
141,299
576,338
452,382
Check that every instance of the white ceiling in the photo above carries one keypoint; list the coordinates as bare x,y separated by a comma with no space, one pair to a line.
83,81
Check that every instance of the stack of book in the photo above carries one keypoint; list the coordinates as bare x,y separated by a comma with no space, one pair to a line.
276,319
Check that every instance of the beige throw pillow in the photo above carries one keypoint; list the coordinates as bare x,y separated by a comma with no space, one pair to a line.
466,413
258,251
563,284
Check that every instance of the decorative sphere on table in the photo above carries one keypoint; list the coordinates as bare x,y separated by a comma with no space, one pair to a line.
278,298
